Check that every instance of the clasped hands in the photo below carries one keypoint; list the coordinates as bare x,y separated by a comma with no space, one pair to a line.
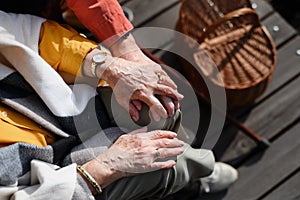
134,83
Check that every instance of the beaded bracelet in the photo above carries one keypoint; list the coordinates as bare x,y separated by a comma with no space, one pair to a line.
90,179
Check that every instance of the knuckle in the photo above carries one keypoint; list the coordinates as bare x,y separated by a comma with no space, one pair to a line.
123,137
158,133
141,92
165,141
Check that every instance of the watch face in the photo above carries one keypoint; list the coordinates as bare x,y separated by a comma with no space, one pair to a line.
99,58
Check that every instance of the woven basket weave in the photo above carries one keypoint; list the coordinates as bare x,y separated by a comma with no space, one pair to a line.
230,33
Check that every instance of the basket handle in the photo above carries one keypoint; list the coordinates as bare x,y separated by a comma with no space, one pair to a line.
231,15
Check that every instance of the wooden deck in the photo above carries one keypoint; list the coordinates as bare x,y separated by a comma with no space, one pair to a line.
270,174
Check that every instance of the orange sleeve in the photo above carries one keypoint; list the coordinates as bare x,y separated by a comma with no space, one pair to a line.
106,21
63,48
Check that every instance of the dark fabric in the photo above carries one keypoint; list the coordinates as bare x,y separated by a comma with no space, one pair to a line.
14,85
49,9
93,117
102,196
63,147
24,6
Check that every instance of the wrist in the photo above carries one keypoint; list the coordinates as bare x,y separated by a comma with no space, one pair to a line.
129,50
102,70
124,45
92,184
101,172
96,62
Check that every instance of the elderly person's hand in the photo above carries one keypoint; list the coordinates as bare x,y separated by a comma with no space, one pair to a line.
133,83
133,153
128,49
136,79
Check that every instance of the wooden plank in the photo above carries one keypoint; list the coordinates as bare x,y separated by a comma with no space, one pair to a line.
288,66
268,119
288,190
265,170
279,29
144,10
166,55
159,39
233,145
167,19
262,8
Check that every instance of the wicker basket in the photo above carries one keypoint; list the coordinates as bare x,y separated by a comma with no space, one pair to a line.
230,33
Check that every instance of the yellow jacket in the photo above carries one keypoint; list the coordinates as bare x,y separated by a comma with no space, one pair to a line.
64,49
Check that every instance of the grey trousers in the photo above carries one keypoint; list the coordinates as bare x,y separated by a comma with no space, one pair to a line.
191,165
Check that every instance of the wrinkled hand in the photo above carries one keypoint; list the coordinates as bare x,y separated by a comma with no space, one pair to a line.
134,83
137,152
130,51
137,56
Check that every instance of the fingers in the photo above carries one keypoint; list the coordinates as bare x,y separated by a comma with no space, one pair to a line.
159,138
163,78
167,91
158,134
162,165
163,108
168,104
156,108
156,112
176,104
137,104
140,151
168,143
134,112
163,154
168,152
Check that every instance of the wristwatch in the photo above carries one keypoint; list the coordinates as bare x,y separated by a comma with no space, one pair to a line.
97,59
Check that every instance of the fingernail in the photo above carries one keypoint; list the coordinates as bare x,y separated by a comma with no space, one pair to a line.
182,150
179,141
